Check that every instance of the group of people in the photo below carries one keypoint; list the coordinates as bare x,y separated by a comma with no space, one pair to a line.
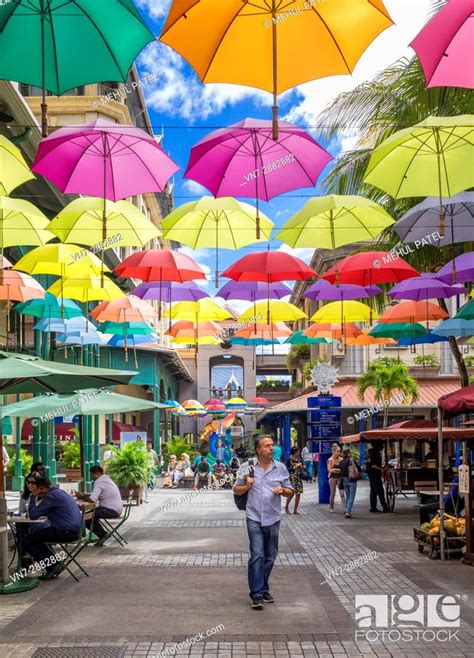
200,470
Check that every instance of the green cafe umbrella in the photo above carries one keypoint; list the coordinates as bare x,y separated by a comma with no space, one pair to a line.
397,330
298,338
58,45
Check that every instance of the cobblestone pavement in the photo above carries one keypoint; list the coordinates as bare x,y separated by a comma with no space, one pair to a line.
183,573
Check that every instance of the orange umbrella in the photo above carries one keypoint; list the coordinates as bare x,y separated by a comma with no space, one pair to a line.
265,331
19,287
413,312
333,330
124,309
186,329
365,339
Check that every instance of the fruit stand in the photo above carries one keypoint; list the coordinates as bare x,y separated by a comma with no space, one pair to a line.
428,536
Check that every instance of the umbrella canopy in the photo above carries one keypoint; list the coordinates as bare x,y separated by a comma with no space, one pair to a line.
131,340
273,311
322,290
242,160
65,326
422,220
204,310
428,338
160,265
398,330
170,291
344,312
426,286
252,291
269,266
259,401
370,267
19,287
254,342
172,404
264,331
458,270
333,330
86,288
298,338
82,222
413,312
214,405
466,312
82,338
104,159
60,260
235,403
192,406
4,263
444,46
459,402
131,309
332,221
21,223
13,168
126,328
432,158
188,329
455,327
49,307
365,340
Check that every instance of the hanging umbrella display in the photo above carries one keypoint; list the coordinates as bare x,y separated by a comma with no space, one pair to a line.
242,160
253,291
367,340
269,267
49,307
126,328
413,312
131,309
36,38
444,46
214,405
272,311
398,330
236,403
259,401
251,43
455,327
343,312
466,312
298,338
322,290
426,286
458,270
19,287
333,330
132,340
82,338
370,267
81,222
172,404
252,342
423,220
218,223
65,326
14,170
169,292
204,310
60,260
86,288
428,338
189,330
160,265
264,331
192,407
21,223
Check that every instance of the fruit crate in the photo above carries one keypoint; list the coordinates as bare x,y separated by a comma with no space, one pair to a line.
453,545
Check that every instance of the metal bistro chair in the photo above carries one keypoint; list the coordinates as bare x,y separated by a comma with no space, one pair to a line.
112,525
73,549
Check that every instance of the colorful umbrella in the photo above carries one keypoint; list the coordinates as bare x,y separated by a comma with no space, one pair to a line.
423,220
253,43
413,312
343,312
60,260
252,291
132,340
252,342
455,327
188,329
82,338
204,310
272,311
172,404
444,46
170,291
86,288
370,267
367,340
333,221
131,309
261,402
426,286
428,338
126,328
322,290
466,312
458,270
13,168
398,330
270,267
214,405
220,223
160,265
19,287
298,338
264,331
235,403
49,307
65,326
81,222
21,223
192,407
242,160
333,330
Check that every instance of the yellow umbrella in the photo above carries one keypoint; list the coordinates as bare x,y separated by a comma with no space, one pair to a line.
81,222
60,260
204,310
21,223
349,311
270,311
273,45
13,168
86,288
192,340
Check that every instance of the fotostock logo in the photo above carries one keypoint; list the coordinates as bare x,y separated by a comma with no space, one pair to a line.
404,618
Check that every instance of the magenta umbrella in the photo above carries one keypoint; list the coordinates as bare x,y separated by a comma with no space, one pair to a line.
322,290
444,46
243,160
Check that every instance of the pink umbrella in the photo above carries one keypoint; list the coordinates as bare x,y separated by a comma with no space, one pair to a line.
444,46
243,160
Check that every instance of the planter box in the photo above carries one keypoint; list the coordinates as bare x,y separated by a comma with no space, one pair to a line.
73,474
137,493
429,371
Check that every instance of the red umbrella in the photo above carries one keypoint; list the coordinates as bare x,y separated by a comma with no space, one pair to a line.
160,265
259,401
269,266
214,405
413,312
370,267
459,402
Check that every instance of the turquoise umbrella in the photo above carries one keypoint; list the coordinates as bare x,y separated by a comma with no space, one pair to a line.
49,307
298,338
126,328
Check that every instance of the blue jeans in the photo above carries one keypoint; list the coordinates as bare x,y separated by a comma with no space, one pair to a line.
263,552
309,467
350,489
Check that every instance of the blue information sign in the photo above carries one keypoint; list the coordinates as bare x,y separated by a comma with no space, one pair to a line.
324,401
329,417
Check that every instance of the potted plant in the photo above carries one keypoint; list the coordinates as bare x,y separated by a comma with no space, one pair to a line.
71,459
295,388
129,468
427,361
469,361
26,462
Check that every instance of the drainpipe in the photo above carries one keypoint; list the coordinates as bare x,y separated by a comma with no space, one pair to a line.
17,139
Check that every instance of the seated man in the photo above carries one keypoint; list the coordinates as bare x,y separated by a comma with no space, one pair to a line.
218,473
202,470
107,494
453,503
63,515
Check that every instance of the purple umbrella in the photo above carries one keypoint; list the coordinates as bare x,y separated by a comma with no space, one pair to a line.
253,291
458,270
170,291
426,286
243,160
324,291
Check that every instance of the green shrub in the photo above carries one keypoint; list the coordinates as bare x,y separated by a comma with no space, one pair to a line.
296,354
469,361
26,461
428,360
176,446
72,455
129,467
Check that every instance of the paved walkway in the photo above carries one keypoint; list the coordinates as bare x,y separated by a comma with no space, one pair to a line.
183,573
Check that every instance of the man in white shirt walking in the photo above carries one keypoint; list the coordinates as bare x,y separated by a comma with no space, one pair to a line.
110,504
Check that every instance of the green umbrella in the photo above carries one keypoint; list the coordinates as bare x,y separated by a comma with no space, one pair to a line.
397,329
466,312
126,328
58,45
49,307
299,339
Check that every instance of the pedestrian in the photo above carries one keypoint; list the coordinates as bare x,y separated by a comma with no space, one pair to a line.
315,465
351,473
294,465
335,480
277,452
306,456
373,467
270,481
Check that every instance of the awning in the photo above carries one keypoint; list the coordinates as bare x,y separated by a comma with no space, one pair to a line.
117,428
413,433
62,431
459,402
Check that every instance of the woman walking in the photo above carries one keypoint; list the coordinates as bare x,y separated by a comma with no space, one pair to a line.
335,481
350,472
294,465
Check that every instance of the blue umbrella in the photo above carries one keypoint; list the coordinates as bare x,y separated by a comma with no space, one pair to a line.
418,340
82,338
240,340
455,327
132,340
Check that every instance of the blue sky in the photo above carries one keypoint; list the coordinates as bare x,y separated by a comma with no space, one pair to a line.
188,110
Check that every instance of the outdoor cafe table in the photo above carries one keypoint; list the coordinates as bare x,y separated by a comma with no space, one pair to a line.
15,520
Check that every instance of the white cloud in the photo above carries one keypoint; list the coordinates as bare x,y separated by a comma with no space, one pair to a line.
154,8
304,254
195,188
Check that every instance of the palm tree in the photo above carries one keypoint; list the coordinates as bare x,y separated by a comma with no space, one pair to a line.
395,99
387,378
